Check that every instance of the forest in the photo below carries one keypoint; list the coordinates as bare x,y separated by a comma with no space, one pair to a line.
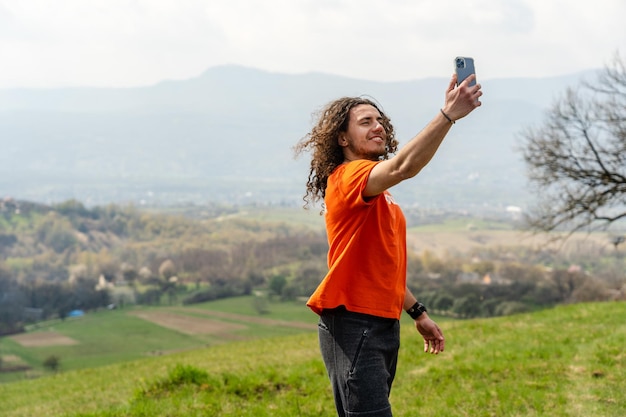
55,259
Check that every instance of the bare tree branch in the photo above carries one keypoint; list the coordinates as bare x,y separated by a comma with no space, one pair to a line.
576,160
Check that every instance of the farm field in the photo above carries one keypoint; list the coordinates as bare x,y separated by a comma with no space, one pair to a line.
566,361
465,235
106,337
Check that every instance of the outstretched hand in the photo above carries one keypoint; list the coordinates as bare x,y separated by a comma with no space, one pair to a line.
462,99
434,342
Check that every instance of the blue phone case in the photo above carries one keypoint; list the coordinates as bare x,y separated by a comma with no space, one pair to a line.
464,67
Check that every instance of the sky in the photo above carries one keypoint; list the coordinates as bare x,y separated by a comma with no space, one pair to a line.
127,43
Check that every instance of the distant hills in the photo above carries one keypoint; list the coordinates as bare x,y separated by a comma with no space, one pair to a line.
226,137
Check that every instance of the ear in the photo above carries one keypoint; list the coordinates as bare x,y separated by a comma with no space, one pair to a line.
342,140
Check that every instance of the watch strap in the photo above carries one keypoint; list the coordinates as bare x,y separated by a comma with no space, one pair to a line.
417,310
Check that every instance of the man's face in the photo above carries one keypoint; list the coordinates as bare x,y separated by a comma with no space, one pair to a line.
366,137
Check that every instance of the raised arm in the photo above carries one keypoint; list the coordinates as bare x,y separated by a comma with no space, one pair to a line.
414,156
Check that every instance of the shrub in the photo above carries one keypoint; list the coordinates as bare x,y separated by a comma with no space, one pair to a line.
52,363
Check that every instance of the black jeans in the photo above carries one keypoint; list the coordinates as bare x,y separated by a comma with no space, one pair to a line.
360,353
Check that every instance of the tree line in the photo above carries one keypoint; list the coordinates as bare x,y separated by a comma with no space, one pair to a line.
55,259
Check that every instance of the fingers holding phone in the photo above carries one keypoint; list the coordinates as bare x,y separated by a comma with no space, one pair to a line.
465,70
464,98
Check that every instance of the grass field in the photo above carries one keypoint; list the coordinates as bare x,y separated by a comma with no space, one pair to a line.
111,336
566,361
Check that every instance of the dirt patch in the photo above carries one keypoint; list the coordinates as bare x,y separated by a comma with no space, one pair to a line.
11,359
256,320
40,339
13,363
187,324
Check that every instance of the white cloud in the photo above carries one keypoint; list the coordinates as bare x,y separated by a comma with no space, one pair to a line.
139,42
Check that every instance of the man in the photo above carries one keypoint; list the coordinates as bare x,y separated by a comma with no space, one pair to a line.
361,299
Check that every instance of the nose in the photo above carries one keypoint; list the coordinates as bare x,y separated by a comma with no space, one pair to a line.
378,126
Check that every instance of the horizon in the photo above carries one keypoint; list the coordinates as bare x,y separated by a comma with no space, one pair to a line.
301,74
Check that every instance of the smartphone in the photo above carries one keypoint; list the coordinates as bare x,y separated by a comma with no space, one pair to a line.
464,67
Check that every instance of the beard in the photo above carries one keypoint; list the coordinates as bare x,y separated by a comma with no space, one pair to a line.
370,154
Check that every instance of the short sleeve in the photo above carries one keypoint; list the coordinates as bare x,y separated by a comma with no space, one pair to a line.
353,180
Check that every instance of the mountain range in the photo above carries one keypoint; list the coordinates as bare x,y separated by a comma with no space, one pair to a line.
226,136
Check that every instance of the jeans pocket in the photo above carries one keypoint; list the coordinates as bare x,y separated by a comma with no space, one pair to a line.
322,326
357,352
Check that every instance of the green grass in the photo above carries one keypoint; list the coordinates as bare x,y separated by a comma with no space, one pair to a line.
288,311
104,338
566,361
107,337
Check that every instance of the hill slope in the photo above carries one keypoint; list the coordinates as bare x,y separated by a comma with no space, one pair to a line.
568,361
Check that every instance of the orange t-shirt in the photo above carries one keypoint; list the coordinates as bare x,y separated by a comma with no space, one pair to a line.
367,254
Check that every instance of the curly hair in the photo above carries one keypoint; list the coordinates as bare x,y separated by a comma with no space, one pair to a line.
322,140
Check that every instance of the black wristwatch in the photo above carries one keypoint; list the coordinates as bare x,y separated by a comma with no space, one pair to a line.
417,310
